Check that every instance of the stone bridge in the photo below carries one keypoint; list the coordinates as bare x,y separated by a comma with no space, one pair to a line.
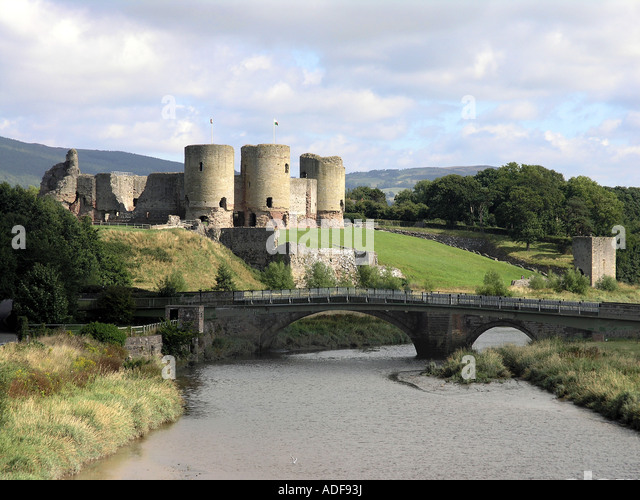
437,324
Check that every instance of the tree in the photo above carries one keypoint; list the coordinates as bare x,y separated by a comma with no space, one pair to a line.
278,276
41,296
319,275
172,284
492,285
224,279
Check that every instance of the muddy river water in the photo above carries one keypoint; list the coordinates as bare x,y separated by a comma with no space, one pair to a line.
342,415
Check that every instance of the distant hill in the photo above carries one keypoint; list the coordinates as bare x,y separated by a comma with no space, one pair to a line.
391,182
24,164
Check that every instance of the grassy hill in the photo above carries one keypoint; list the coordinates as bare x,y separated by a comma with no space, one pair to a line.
153,255
24,164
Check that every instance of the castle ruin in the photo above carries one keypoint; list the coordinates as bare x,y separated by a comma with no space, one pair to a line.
209,190
595,257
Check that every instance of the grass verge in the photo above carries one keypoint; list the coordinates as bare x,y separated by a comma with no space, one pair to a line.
604,377
66,401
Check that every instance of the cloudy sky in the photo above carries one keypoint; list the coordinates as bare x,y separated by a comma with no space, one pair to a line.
381,83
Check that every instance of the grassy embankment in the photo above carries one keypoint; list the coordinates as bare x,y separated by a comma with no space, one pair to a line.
67,400
601,376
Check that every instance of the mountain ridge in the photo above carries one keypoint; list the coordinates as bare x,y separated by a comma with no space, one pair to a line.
25,164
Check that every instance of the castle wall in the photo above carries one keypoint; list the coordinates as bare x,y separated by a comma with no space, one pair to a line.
118,193
303,203
330,175
163,196
266,181
209,183
595,257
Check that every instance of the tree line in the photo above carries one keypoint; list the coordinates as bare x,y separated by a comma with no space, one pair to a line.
530,202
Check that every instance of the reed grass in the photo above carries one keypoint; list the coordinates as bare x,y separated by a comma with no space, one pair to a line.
67,401
600,377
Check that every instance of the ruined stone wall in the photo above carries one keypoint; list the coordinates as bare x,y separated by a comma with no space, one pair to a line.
163,196
118,193
266,181
209,183
595,256
341,260
60,181
330,175
303,205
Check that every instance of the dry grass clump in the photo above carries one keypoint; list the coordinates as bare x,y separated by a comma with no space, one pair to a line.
68,400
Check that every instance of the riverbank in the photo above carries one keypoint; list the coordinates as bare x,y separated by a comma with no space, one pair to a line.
66,401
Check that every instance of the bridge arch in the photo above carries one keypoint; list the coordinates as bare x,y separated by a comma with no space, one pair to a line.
476,333
270,334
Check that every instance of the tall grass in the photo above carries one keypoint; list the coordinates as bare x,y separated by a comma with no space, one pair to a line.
70,400
606,380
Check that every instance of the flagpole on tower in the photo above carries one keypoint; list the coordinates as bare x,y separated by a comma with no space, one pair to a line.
211,121
275,124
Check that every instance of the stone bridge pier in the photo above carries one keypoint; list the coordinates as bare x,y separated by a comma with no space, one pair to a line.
435,334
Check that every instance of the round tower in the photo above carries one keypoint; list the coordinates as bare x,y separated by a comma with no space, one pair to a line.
266,182
208,184
330,176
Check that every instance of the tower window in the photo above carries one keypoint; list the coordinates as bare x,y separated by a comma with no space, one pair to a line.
286,168
223,203
269,202
253,220
201,166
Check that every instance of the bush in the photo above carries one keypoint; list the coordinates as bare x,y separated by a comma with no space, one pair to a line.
374,277
171,285
607,283
278,276
493,285
105,333
573,281
176,341
537,282
319,275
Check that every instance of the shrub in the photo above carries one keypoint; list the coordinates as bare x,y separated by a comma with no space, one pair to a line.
319,275
278,276
573,281
171,285
176,341
374,277
493,285
537,282
607,283
106,333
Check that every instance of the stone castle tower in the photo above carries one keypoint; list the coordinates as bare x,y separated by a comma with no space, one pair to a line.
266,183
595,257
330,176
208,184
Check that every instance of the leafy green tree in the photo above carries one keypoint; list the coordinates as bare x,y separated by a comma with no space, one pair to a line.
319,275
224,279
172,284
278,276
492,284
116,305
41,296
374,277
604,208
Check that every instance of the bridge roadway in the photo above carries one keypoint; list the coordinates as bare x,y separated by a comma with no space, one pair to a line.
437,323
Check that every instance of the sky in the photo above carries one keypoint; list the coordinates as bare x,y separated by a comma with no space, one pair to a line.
384,84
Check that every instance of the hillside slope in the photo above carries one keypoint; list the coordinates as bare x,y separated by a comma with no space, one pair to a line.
153,255
24,164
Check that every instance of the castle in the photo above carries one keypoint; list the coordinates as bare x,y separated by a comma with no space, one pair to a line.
209,189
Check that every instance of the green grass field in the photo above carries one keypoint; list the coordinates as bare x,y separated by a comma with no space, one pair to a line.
426,264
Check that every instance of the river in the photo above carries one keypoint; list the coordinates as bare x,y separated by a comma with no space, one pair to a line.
341,415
